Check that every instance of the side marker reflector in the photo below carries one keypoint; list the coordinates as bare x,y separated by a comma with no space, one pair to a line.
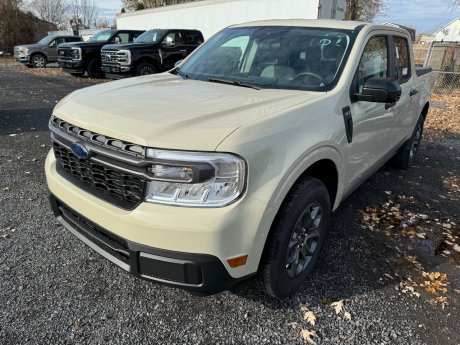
238,261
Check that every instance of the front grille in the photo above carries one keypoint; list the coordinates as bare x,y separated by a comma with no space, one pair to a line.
65,54
114,56
96,138
118,187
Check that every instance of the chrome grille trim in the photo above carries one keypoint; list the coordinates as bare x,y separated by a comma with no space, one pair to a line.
99,139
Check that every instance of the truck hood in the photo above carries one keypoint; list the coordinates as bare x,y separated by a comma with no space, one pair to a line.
82,44
129,46
166,111
30,46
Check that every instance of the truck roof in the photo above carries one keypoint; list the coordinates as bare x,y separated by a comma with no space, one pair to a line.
318,23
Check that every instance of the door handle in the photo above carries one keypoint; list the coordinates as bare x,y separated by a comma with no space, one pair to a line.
413,92
183,51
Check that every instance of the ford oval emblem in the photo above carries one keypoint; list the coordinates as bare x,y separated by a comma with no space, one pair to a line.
79,150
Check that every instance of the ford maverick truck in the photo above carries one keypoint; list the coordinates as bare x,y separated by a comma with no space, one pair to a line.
45,51
78,58
153,51
229,165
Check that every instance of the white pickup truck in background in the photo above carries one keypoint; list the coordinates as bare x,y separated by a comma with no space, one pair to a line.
230,164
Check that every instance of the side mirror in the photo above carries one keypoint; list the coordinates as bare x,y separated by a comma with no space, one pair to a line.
380,90
178,62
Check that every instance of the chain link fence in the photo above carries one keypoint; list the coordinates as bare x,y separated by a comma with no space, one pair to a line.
444,59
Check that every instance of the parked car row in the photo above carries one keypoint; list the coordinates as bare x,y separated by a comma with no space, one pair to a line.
113,53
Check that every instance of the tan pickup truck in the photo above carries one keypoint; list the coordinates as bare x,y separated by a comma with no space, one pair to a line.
229,165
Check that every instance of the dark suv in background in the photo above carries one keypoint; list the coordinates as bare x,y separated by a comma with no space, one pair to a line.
43,52
154,51
78,58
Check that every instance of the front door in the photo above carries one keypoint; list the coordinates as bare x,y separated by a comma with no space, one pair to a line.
372,122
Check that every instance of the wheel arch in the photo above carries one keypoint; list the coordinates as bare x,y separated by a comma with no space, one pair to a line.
324,165
425,110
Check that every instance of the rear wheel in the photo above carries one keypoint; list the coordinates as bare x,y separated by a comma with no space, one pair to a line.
297,237
94,69
38,61
145,68
407,155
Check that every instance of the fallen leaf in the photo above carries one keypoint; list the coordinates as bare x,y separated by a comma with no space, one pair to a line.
456,247
308,336
13,135
293,324
310,317
347,316
338,306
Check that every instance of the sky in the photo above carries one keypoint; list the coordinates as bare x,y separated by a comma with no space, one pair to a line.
423,15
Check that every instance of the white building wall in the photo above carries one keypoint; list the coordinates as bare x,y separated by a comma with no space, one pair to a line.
210,16
451,32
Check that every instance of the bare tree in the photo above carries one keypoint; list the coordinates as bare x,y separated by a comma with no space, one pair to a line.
53,11
83,11
134,5
365,10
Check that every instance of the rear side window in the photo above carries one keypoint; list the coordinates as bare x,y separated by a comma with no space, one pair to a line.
193,38
72,39
374,61
402,63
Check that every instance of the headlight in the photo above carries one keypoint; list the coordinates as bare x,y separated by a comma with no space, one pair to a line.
24,51
124,57
75,53
195,179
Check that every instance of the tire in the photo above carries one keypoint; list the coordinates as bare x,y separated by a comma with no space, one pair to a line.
38,61
298,232
145,68
407,155
94,69
79,74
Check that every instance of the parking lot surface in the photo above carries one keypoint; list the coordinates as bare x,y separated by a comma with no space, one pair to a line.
55,290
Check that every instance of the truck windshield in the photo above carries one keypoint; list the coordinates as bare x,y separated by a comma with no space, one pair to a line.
45,40
102,36
283,57
151,36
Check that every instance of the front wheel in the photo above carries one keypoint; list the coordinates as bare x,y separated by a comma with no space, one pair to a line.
94,69
297,237
38,61
407,155
145,68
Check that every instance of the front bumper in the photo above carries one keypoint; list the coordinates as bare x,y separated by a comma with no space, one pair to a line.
185,240
117,71
199,273
22,58
72,66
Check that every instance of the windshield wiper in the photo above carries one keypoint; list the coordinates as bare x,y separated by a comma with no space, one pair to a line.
181,74
233,82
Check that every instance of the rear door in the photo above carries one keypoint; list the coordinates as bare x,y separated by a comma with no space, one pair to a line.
404,109
192,40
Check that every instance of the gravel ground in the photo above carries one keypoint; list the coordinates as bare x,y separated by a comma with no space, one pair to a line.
55,290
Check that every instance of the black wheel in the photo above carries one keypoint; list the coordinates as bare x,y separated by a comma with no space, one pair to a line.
79,74
38,61
407,155
296,239
94,69
145,68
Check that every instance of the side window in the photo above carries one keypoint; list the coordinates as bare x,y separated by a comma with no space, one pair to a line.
123,37
374,61
192,38
52,44
173,39
59,40
402,57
